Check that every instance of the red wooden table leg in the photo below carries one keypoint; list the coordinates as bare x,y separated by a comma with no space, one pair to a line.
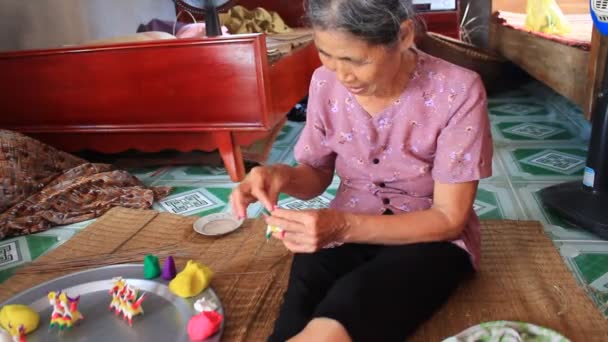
231,155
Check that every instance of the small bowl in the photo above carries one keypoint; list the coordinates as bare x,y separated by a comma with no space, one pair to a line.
217,224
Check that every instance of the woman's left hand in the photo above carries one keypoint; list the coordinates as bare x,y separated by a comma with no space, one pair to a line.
307,231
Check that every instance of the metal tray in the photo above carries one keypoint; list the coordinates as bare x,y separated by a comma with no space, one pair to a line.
165,315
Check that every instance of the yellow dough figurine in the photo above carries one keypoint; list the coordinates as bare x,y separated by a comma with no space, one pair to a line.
192,280
13,316
272,229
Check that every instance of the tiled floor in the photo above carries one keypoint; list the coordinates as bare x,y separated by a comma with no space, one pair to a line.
540,139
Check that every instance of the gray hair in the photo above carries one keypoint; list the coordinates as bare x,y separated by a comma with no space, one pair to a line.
377,22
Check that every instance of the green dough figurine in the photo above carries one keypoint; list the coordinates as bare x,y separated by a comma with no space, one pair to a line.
151,267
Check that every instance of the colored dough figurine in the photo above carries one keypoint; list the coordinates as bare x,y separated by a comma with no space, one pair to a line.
19,319
151,267
126,300
272,229
204,325
169,269
65,310
116,303
205,304
192,280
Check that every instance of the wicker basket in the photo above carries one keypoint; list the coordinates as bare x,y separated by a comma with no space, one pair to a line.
491,67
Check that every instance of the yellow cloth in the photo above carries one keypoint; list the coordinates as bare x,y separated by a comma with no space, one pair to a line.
546,16
241,20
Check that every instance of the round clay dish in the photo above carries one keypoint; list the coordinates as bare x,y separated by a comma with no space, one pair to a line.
217,224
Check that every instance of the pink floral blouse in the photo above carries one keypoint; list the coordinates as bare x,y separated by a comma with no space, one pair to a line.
437,131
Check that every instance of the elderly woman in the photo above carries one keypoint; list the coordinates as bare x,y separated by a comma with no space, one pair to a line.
408,135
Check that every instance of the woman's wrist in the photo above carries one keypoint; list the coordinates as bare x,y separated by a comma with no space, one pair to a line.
350,226
284,175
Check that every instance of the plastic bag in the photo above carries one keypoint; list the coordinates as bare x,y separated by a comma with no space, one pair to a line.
546,16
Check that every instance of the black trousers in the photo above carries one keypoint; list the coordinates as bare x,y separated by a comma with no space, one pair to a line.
378,293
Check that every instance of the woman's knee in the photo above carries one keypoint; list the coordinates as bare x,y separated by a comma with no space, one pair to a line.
325,266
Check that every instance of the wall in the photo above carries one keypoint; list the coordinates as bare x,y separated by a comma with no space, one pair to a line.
567,6
36,24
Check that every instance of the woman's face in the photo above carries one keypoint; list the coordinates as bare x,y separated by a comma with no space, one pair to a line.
364,69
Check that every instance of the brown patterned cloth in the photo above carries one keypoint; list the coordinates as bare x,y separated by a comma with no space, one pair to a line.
42,187
26,166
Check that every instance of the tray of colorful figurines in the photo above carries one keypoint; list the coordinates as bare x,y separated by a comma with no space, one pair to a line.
128,302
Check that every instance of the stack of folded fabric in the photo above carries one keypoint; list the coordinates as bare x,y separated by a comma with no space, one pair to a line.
240,20
281,39
283,43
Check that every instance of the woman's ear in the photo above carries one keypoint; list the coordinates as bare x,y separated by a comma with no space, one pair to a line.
407,34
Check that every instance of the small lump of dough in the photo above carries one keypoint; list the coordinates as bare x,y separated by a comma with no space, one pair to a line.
5,336
192,280
16,315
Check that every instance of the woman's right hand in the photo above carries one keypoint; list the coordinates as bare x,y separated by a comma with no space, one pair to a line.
263,183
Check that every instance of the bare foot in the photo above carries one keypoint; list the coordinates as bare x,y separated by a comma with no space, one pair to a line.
322,329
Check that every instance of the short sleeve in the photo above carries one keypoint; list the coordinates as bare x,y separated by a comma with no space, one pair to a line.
464,146
312,148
